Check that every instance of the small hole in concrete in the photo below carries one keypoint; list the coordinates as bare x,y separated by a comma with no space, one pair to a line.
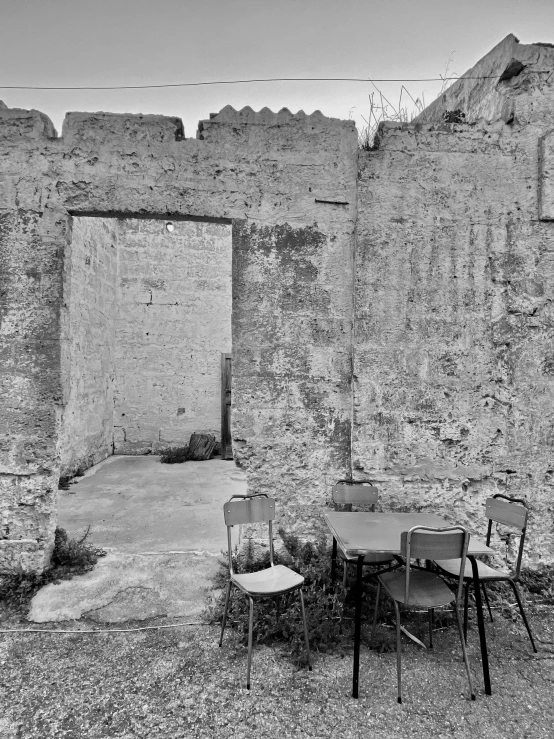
169,227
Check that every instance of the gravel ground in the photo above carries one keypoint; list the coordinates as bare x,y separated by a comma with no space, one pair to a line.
176,682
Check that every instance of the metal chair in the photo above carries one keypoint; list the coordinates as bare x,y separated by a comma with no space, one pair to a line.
345,494
507,511
274,580
421,588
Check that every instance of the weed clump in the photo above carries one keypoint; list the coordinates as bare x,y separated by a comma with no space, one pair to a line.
282,622
70,557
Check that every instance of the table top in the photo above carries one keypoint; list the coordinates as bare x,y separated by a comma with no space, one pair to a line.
360,533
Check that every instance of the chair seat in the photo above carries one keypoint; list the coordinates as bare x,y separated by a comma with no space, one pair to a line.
427,589
271,581
452,567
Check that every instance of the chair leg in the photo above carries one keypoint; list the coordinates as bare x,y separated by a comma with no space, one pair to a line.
484,589
376,610
466,602
224,619
523,616
250,629
344,572
464,650
430,614
305,629
398,652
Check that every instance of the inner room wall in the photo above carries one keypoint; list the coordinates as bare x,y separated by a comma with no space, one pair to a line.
88,343
173,322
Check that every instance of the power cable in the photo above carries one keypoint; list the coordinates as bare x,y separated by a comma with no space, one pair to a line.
249,81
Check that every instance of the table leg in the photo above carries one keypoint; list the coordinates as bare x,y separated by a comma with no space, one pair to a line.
481,625
333,560
357,625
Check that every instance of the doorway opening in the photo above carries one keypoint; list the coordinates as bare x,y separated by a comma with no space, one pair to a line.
146,317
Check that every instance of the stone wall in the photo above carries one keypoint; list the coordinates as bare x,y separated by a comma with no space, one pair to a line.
454,386
173,322
406,290
88,344
288,185
511,83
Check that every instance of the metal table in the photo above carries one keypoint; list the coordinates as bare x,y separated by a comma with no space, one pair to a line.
359,534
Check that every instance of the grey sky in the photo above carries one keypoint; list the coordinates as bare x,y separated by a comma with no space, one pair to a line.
110,42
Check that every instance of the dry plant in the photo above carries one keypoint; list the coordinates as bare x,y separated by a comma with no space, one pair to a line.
381,109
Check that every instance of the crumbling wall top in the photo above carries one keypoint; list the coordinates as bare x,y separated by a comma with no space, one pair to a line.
267,117
18,124
130,126
488,88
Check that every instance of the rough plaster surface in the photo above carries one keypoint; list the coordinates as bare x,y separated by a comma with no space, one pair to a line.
173,323
88,343
287,183
510,83
454,388
437,247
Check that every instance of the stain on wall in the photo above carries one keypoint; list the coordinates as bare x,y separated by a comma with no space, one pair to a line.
453,400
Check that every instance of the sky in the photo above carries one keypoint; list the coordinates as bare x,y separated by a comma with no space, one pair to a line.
138,42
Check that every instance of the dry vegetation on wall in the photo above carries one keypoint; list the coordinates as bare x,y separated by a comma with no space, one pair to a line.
382,110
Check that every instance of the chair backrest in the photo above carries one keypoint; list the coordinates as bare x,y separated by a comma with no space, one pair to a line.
355,492
255,508
508,511
249,509
427,542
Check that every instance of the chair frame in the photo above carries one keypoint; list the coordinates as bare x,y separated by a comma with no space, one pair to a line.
412,540
370,497
501,513
266,506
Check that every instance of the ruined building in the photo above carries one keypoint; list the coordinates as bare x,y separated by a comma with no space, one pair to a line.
389,312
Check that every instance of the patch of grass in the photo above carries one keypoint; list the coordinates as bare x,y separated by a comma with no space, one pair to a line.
70,557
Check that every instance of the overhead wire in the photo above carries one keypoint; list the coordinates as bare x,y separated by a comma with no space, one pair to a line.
249,81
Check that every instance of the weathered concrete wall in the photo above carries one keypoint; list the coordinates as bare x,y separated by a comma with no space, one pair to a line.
510,83
173,322
88,344
288,184
448,375
454,387
31,258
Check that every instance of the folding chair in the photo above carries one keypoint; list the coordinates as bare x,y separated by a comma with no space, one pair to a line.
507,511
274,580
421,588
345,494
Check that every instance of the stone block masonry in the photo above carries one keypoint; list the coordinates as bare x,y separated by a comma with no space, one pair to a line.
173,322
88,343
392,310
275,181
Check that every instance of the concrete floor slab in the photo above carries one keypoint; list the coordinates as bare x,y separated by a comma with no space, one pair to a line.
138,504
163,528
